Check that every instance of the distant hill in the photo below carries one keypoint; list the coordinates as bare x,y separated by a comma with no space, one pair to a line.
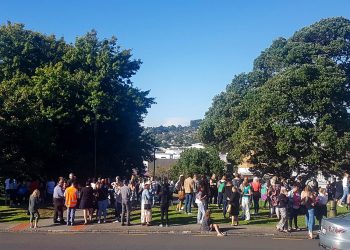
178,136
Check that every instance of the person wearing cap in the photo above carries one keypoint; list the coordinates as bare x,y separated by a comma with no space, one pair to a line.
125,193
147,205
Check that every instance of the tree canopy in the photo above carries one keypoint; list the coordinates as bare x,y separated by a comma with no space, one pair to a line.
198,161
291,112
55,95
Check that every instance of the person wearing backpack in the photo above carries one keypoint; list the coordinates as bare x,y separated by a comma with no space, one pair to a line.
221,189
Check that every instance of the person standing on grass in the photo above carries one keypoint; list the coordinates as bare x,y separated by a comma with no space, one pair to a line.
338,189
188,185
226,197
33,208
282,202
117,199
308,199
246,194
345,190
274,192
208,226
321,205
146,200
201,198
221,190
86,201
125,193
234,203
179,186
294,207
195,187
256,186
213,190
58,202
133,192
165,197
71,195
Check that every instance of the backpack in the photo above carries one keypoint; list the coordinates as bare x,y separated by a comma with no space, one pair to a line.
221,187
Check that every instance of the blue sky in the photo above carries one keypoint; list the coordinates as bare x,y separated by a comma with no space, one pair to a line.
190,49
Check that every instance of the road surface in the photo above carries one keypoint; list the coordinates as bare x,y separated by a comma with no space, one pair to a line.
105,241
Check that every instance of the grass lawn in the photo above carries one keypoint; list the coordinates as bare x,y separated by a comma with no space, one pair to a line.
8,214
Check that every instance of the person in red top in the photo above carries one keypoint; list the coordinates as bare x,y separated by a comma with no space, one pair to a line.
256,187
71,195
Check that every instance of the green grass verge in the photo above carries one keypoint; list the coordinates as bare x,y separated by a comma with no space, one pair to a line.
8,214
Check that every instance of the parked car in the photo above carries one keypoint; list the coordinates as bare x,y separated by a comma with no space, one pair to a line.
335,233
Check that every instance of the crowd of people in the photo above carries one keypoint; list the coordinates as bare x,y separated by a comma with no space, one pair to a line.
285,199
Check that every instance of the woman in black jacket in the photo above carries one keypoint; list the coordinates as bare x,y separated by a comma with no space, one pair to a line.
165,197
234,204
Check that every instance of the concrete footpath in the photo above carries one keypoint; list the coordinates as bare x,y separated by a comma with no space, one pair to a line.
47,226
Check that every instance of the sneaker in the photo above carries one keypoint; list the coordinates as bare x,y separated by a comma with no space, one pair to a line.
117,221
104,221
166,225
161,225
99,221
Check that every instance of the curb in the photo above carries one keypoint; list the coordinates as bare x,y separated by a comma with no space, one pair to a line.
159,232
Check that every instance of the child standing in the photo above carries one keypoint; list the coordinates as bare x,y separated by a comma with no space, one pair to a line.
33,208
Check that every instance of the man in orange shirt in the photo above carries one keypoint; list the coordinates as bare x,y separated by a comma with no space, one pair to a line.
71,195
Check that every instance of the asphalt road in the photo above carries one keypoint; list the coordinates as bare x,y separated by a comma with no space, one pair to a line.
105,241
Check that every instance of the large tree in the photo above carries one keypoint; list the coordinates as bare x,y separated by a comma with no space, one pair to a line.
54,96
291,113
198,161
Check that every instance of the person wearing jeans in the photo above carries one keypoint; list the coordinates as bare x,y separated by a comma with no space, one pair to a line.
200,201
102,200
71,195
221,190
308,199
345,190
188,185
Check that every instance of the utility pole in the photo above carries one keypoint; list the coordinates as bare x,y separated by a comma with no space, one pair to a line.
95,145
154,163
